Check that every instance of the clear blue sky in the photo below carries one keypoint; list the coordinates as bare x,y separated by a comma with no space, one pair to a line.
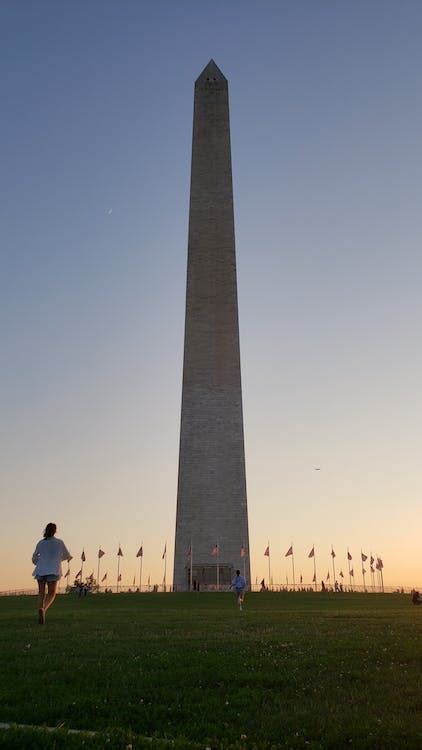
326,118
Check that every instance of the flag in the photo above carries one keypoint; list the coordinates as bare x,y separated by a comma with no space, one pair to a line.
101,553
104,578
215,551
372,569
380,563
333,554
328,576
140,552
78,574
341,574
120,553
352,573
242,551
314,579
83,558
364,557
165,551
91,577
189,552
349,557
289,552
312,552
372,560
120,577
267,552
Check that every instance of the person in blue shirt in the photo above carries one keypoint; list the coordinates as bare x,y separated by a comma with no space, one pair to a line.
238,585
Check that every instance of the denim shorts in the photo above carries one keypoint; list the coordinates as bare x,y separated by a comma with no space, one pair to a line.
47,579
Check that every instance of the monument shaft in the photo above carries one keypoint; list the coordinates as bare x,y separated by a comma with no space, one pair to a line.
211,498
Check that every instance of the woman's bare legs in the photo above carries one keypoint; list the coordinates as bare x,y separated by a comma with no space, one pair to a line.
52,590
41,601
45,600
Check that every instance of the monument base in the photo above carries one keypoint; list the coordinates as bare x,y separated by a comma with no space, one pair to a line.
207,578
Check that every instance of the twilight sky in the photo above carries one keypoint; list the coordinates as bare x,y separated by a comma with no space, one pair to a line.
96,127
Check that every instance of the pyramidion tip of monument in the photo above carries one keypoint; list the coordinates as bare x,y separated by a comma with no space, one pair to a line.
211,75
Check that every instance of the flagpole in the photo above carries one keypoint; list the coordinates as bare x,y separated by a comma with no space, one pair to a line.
379,568
348,565
98,572
269,565
118,570
218,567
293,567
140,574
165,564
363,571
244,561
334,567
315,568
371,568
191,567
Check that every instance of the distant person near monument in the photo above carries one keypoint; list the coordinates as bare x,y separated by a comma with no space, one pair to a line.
238,585
47,558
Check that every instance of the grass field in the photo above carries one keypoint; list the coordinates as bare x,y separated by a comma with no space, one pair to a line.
290,671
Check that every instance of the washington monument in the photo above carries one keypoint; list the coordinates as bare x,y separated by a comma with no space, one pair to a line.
212,523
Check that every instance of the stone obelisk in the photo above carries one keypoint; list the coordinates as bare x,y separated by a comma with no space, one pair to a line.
212,523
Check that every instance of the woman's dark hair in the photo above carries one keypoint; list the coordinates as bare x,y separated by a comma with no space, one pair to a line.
50,530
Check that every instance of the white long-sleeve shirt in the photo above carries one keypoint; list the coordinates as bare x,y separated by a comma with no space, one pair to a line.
238,583
48,556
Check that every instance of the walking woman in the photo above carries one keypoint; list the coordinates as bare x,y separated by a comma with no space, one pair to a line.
47,558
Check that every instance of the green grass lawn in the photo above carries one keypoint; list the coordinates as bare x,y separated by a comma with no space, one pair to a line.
290,671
